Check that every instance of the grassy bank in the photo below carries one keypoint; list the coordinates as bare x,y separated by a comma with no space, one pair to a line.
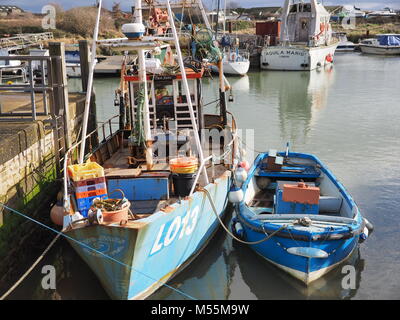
368,29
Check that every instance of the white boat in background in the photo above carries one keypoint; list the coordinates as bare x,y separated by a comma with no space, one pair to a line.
235,62
386,12
344,44
8,63
306,39
36,65
11,70
383,44
73,63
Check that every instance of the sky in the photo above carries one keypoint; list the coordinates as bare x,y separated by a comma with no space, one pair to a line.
36,5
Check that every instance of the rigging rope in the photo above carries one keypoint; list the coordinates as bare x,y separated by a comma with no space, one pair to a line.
16,284
229,232
93,249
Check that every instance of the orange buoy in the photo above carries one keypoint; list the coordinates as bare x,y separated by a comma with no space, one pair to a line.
244,164
57,214
329,58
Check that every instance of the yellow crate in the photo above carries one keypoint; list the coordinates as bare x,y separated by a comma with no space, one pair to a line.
88,170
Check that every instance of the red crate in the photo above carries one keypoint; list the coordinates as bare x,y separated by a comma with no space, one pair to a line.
301,193
92,187
88,194
89,182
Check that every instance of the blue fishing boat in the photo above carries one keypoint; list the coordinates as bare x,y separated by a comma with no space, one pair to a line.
295,213
148,201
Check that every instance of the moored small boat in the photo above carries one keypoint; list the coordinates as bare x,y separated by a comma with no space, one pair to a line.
383,44
296,214
235,63
344,44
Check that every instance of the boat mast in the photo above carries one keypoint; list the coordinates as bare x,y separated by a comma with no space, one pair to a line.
186,89
216,24
284,31
90,84
224,28
223,82
203,14
138,18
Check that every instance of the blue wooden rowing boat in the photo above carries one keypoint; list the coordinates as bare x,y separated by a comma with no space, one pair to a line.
276,212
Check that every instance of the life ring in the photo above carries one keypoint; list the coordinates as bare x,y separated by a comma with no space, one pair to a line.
329,58
233,56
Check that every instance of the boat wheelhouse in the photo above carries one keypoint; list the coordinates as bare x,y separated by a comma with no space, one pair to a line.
306,41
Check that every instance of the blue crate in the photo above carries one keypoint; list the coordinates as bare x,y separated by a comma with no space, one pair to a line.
138,189
284,207
84,204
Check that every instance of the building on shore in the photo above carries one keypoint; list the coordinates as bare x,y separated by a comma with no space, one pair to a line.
8,10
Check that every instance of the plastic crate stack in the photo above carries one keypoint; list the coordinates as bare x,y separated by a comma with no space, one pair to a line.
89,182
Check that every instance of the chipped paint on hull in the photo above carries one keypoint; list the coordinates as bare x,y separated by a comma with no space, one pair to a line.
163,245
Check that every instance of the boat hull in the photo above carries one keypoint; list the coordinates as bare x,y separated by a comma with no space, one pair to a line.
380,50
73,70
234,68
297,58
146,256
237,68
305,269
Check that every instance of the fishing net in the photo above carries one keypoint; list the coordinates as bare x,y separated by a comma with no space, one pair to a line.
203,46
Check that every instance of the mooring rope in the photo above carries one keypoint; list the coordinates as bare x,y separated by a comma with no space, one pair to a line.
16,284
93,249
229,232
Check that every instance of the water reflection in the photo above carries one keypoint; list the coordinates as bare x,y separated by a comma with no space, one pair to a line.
208,277
230,270
299,97
268,282
240,84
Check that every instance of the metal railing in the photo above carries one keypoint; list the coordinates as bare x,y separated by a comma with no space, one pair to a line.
231,147
21,41
32,85
68,159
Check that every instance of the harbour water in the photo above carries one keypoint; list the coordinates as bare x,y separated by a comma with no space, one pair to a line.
347,115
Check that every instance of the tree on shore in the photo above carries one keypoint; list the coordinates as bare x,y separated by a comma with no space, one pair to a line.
81,21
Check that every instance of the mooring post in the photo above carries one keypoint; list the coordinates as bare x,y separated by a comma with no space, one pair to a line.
84,55
61,101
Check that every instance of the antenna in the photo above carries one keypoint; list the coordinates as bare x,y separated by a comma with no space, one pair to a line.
90,84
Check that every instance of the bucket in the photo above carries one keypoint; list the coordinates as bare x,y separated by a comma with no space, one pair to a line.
118,216
184,165
183,183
